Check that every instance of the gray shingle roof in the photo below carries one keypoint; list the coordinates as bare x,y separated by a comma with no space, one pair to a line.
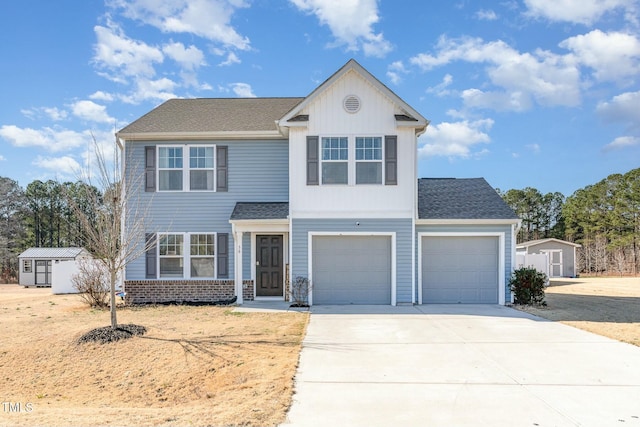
52,253
260,210
450,198
213,115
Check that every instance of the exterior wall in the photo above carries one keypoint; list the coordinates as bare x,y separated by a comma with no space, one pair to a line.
29,279
403,229
568,255
509,246
327,117
183,291
258,171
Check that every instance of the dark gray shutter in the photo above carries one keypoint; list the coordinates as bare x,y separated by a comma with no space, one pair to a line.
312,161
150,168
222,255
151,255
391,160
222,169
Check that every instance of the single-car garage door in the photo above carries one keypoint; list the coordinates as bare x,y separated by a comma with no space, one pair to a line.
351,269
460,269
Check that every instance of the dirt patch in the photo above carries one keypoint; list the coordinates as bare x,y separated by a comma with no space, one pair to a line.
195,366
605,306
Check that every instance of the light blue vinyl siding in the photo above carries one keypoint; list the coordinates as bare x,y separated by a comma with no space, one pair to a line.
258,172
508,244
404,234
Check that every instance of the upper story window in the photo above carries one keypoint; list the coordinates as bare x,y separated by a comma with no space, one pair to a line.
198,171
335,160
369,160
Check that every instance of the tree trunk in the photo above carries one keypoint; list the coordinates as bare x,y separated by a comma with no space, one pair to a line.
114,321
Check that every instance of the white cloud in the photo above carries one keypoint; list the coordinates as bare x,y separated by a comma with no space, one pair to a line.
147,89
232,58
623,142
47,138
395,71
90,111
53,113
519,78
65,166
613,56
189,58
119,55
242,90
210,19
575,11
486,15
455,139
441,88
101,96
2,158
622,108
350,22
534,148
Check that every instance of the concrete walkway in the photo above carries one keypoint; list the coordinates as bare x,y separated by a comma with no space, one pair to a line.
453,365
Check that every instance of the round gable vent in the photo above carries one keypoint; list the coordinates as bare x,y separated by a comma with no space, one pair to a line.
351,104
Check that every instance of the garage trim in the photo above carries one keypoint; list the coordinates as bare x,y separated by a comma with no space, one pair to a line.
501,257
311,235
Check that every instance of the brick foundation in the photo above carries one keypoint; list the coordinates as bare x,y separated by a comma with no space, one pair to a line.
181,291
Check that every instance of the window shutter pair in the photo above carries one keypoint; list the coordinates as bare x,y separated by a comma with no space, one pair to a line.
390,160
222,255
222,169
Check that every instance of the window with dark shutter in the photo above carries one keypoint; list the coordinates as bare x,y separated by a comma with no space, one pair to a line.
149,168
222,255
222,169
312,161
150,245
391,160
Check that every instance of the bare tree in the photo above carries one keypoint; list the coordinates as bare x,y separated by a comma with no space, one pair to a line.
101,223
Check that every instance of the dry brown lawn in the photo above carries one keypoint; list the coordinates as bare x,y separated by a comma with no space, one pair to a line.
195,366
603,305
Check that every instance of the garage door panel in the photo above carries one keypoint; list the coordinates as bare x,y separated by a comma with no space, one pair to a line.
351,269
460,269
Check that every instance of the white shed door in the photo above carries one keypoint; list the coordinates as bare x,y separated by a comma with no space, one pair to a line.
351,270
460,269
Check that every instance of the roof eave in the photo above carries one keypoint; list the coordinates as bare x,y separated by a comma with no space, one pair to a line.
480,221
151,136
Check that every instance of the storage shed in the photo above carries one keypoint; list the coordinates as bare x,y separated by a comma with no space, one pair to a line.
36,263
561,254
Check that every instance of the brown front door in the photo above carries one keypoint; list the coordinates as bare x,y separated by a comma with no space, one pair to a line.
269,266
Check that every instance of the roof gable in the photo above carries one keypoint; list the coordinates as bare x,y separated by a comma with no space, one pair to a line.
460,199
408,113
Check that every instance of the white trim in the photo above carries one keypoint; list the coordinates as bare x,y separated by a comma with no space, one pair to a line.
392,235
467,221
542,241
274,226
186,168
501,257
237,263
192,136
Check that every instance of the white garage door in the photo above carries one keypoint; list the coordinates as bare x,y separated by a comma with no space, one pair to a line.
460,270
351,269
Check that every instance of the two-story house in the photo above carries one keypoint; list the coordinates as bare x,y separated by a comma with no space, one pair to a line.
245,195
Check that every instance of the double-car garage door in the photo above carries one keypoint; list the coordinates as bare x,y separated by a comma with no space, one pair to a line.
351,269
460,269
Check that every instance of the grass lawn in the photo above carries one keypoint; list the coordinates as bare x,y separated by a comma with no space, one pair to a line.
195,366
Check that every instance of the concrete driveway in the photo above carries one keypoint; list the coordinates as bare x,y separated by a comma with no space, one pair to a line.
454,365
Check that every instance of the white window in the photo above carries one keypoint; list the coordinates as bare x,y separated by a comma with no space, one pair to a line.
202,255
170,168
335,160
369,160
27,266
198,171
187,255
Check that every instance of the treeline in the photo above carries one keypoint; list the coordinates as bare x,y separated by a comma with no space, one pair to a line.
604,218
42,215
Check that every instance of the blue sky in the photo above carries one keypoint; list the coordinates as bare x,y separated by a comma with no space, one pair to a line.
540,93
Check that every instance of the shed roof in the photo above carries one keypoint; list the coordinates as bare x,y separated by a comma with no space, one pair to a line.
201,115
467,198
541,241
260,210
53,253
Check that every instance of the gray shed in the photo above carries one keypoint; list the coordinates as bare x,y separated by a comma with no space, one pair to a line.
562,255
36,263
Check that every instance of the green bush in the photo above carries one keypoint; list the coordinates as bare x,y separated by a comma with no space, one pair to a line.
527,285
